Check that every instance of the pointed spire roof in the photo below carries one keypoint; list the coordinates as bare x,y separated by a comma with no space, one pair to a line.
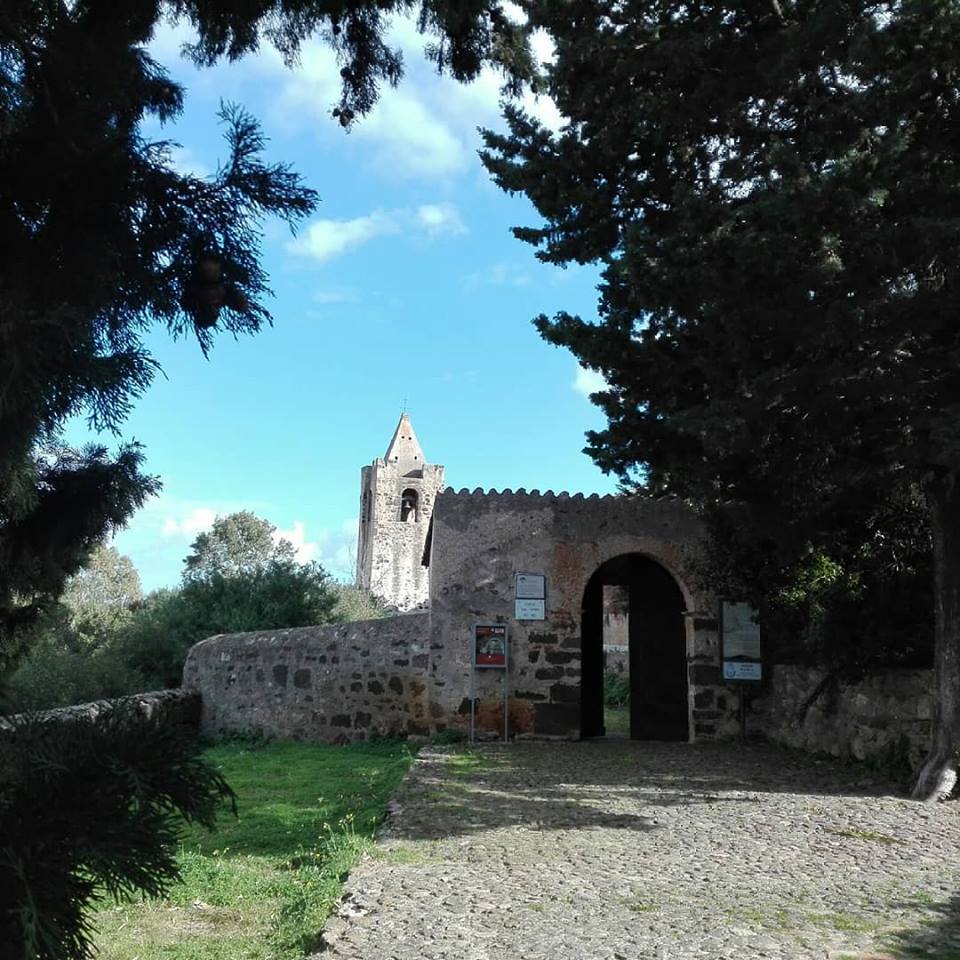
404,449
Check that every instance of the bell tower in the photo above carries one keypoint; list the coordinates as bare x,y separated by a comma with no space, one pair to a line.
396,502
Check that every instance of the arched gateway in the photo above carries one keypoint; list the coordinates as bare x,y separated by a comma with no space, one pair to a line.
413,673
656,636
480,541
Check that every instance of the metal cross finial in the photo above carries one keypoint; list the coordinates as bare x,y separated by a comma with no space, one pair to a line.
404,410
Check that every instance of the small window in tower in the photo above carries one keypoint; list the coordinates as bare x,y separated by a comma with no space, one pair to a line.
365,508
408,506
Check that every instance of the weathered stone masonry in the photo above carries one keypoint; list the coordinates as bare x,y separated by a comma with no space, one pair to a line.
333,683
480,540
397,493
412,673
888,712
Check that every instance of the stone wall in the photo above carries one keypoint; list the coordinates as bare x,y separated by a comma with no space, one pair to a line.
480,540
166,707
328,684
413,674
866,720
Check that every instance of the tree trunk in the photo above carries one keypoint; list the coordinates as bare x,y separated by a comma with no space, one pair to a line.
938,775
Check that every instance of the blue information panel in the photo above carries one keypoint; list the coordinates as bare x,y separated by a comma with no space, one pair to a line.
737,670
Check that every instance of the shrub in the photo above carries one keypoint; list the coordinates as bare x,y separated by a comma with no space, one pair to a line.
616,689
56,676
90,807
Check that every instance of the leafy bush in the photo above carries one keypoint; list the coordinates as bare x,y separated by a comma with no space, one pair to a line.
170,622
146,648
55,676
616,689
354,603
87,807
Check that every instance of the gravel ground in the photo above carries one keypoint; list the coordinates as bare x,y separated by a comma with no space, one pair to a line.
619,850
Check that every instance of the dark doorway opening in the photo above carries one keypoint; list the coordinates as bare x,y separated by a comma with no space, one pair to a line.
650,601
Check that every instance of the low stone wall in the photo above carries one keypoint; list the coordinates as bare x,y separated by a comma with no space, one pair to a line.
165,707
327,684
866,720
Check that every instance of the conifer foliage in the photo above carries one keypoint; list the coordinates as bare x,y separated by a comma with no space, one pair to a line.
103,238
773,188
91,807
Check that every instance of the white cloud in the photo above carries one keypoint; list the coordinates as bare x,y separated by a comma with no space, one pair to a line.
589,381
335,295
500,274
337,552
544,49
414,141
193,522
185,162
437,218
325,239
306,550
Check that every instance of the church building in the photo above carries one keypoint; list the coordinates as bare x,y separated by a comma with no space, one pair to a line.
397,493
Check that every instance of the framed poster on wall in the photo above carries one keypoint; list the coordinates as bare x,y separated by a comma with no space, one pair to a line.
490,645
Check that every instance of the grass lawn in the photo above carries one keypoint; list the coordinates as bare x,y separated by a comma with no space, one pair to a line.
262,885
617,720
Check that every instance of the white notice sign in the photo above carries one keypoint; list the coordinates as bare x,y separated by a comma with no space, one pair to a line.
741,633
531,585
740,670
527,609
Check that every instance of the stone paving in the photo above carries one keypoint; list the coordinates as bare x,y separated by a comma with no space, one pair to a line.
618,850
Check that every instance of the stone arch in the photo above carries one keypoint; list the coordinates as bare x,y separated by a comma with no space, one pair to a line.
661,636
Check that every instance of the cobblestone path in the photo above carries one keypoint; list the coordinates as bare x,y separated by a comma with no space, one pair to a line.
614,849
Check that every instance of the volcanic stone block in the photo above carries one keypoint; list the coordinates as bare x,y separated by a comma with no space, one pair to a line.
557,719
565,693
550,673
703,674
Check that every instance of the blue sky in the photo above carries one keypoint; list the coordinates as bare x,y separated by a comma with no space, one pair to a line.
406,284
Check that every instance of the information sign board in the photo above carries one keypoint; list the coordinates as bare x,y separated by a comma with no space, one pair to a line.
741,670
490,645
741,642
529,609
531,586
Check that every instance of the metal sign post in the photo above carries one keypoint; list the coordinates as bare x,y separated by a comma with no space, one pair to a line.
490,652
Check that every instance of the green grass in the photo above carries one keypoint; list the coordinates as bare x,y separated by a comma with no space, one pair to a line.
870,835
465,762
617,720
262,885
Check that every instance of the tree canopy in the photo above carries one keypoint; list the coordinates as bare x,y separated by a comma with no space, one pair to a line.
103,238
238,544
773,189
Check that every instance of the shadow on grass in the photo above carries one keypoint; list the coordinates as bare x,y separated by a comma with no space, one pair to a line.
936,937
